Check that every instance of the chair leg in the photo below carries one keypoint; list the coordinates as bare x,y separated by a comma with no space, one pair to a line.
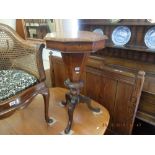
46,95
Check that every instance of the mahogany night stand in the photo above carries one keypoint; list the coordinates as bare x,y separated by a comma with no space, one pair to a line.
75,49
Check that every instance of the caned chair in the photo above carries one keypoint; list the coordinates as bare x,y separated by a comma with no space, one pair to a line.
22,75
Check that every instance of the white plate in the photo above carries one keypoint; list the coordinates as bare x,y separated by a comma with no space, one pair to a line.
149,38
121,35
98,31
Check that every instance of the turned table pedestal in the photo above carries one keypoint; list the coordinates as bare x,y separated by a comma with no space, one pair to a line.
75,49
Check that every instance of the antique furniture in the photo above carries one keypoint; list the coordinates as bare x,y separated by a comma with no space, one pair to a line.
75,48
124,61
30,121
117,90
34,29
21,73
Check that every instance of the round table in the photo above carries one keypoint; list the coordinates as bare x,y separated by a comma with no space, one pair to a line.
30,121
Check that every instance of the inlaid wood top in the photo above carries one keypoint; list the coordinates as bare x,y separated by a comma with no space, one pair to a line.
71,42
78,36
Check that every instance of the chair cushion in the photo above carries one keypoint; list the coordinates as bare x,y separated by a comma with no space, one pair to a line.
14,81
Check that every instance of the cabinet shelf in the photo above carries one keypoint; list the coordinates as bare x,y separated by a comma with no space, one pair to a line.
146,117
130,23
129,47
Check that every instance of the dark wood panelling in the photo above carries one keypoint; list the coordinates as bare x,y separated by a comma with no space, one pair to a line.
108,93
107,97
123,106
93,83
58,72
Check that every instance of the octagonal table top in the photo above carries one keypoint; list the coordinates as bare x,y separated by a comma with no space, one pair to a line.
70,36
69,41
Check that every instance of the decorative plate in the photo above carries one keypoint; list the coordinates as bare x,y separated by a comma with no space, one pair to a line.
121,35
98,31
149,38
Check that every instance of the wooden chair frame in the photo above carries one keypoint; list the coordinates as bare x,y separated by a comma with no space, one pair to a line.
24,98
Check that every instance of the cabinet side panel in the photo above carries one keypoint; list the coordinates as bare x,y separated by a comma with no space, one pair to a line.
123,112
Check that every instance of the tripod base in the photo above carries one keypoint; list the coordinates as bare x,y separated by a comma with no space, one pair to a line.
72,99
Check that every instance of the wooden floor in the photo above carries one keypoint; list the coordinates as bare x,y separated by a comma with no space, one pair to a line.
30,121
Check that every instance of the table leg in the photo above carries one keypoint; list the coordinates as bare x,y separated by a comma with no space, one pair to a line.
73,98
87,100
66,101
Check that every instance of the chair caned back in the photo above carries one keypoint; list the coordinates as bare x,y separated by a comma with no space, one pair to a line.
16,52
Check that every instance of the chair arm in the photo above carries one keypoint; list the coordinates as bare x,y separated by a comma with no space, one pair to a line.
42,76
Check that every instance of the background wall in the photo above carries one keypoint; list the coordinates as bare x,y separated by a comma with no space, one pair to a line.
10,22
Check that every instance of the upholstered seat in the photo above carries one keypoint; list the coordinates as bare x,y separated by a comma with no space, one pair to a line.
13,82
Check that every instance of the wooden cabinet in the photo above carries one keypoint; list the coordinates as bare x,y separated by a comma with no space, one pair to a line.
119,91
138,28
131,57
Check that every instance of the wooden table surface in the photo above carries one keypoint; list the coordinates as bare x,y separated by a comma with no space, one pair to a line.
30,121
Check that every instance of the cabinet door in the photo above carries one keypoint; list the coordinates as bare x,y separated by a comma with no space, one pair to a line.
123,112
108,93
93,85
107,96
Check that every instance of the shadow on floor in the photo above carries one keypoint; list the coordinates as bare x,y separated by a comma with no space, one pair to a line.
143,128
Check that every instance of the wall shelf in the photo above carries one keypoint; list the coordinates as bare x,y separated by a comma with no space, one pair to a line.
134,48
138,22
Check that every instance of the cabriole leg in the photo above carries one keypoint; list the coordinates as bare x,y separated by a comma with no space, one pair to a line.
46,104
